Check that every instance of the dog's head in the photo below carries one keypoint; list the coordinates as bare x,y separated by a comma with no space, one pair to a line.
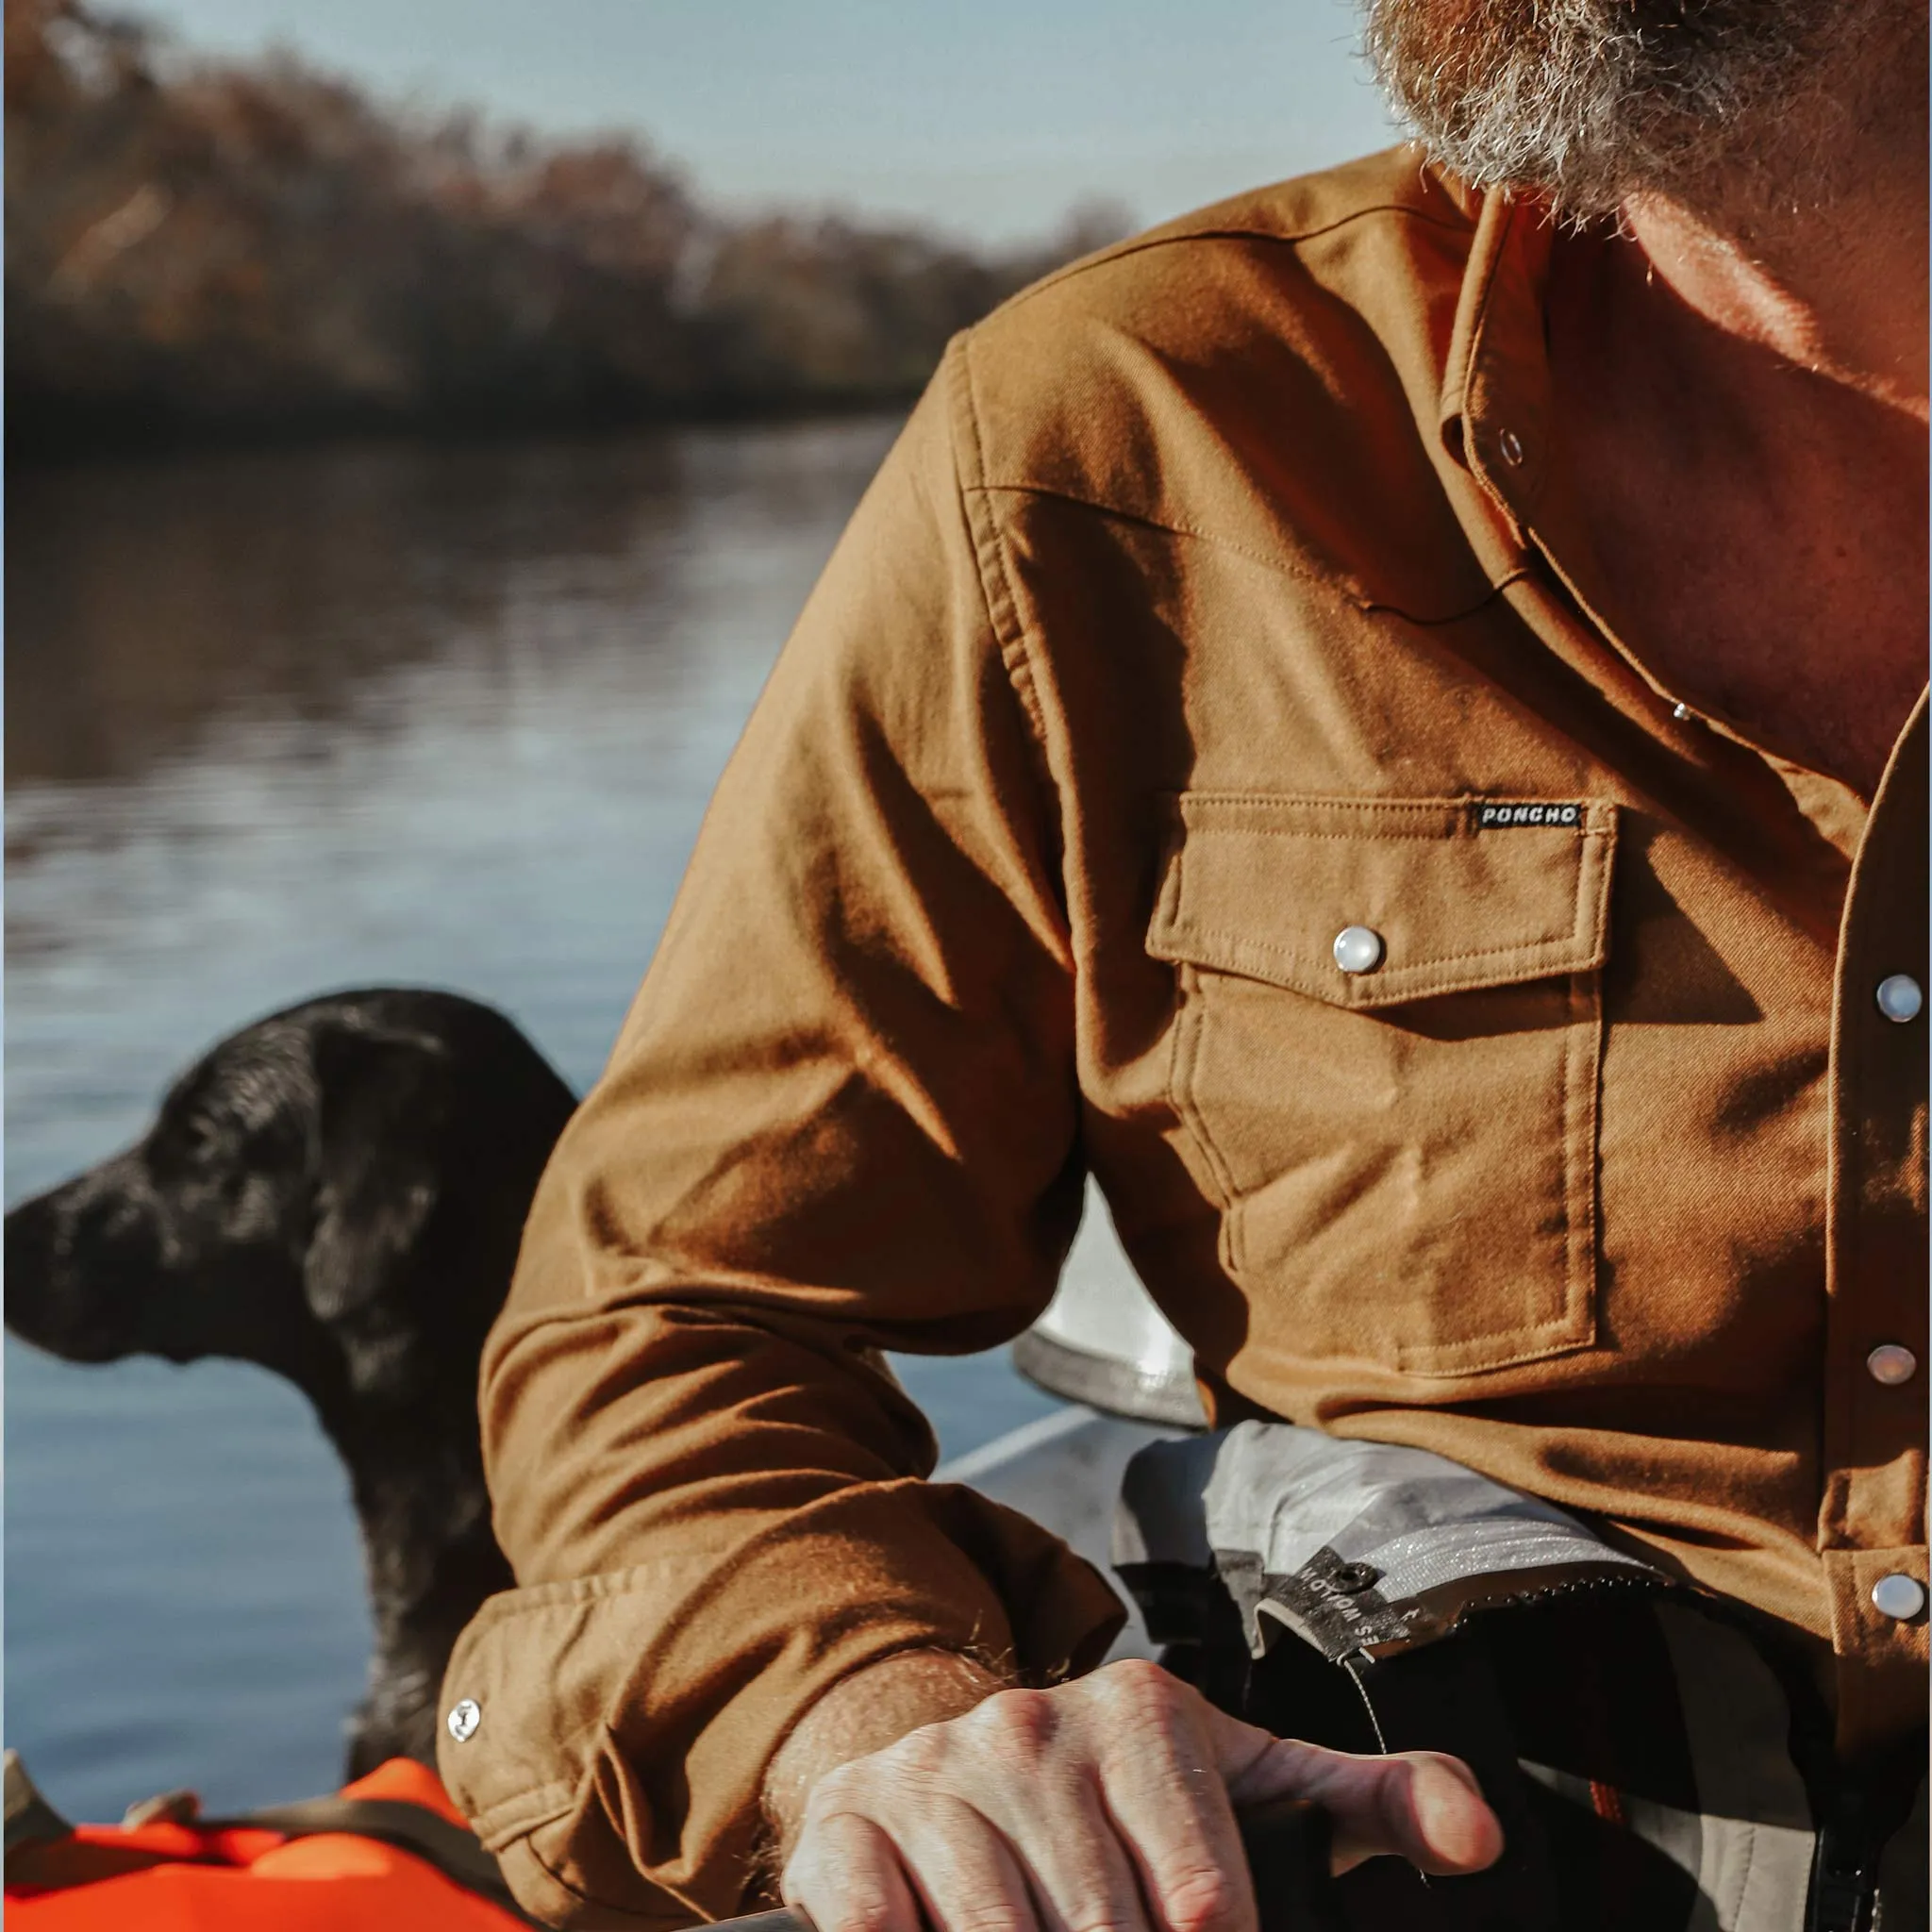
322,1193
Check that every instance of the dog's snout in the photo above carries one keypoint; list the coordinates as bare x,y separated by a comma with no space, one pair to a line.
28,1240
73,1256
32,1230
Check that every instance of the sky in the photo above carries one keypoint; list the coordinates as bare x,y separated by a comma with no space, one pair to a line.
990,120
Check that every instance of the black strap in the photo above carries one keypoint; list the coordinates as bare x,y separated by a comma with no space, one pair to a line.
452,1850
30,1820
33,1824
1444,1697
1289,1844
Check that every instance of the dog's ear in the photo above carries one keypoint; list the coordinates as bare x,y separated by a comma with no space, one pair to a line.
383,1099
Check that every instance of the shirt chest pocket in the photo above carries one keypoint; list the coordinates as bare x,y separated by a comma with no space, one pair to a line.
1406,1150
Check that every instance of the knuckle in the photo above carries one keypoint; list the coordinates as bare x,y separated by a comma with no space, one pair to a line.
1020,1724
1201,1898
922,1754
1144,1717
842,1789
1143,1703
1138,1682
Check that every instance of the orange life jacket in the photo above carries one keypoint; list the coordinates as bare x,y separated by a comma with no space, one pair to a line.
390,1854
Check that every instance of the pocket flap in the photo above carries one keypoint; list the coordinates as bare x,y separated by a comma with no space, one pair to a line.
1461,893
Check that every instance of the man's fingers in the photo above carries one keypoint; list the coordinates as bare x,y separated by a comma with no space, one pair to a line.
964,1872
1108,1806
1416,1805
1034,1847
1083,1877
846,1877
1167,1808
1444,1824
1189,1862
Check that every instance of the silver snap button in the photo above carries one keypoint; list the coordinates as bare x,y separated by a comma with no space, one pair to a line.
1680,710
1510,444
1357,949
1900,997
464,1716
1892,1364
1898,1596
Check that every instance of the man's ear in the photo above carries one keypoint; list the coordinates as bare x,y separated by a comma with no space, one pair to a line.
383,1100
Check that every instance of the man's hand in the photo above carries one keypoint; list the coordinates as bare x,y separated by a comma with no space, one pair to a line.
1103,1806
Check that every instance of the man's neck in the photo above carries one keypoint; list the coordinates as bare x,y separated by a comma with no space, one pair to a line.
1845,299
1740,383
1815,246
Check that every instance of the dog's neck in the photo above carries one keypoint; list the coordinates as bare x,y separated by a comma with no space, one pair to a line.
416,1479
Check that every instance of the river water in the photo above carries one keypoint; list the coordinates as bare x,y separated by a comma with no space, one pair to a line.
278,723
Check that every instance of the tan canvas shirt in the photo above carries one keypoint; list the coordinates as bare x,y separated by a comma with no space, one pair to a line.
1218,595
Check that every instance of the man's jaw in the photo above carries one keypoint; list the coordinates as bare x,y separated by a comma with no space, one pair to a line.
1589,102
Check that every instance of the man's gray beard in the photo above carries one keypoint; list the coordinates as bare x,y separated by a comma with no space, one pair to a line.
1589,101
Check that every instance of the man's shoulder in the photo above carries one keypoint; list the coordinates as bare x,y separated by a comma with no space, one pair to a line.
1210,303
1397,185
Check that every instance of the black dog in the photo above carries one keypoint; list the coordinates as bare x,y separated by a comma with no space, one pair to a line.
336,1193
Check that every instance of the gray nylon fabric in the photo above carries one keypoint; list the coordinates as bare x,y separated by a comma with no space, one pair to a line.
1291,1521
1291,1518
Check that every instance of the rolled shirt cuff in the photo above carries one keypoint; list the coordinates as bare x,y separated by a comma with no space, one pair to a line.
618,1727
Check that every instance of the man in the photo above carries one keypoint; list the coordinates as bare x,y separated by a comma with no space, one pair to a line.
1374,720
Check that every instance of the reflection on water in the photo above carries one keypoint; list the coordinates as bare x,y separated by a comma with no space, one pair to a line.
278,723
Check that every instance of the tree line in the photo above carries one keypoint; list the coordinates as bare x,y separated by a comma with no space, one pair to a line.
201,248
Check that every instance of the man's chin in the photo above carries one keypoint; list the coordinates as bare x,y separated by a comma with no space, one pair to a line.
1589,101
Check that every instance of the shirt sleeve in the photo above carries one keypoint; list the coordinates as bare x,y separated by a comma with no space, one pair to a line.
841,1118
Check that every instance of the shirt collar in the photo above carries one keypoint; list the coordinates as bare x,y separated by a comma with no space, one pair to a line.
1495,412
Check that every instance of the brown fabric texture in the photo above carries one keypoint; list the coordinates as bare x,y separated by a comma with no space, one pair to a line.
1217,597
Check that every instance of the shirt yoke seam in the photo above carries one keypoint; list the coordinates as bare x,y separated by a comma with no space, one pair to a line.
1305,572
1291,238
